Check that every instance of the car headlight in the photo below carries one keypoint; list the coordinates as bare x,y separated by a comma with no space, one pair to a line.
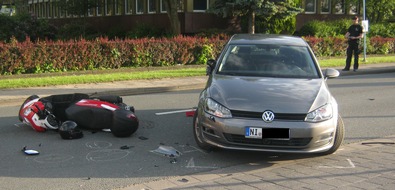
214,108
321,114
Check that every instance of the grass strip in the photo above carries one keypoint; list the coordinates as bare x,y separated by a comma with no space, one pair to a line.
99,77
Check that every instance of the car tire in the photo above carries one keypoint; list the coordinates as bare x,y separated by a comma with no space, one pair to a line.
339,136
197,133
30,98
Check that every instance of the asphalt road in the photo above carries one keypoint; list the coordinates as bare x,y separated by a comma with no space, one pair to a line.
97,161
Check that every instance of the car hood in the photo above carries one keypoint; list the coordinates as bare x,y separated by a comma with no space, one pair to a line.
281,95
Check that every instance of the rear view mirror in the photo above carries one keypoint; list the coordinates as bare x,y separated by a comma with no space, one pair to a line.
210,66
331,73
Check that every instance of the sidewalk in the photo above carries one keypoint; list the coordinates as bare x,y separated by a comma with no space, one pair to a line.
368,165
12,97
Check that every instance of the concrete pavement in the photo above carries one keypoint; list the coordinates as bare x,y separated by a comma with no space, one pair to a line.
363,165
368,165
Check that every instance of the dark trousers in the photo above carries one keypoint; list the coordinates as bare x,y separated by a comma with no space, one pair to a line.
352,49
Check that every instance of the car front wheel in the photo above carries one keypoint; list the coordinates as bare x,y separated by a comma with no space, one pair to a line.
339,137
197,133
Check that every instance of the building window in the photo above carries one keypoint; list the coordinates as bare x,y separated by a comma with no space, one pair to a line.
55,10
91,12
163,7
99,8
310,6
118,7
109,7
128,6
139,6
200,5
49,8
325,6
151,6
353,8
180,6
339,7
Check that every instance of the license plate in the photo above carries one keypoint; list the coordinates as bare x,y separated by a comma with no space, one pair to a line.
253,132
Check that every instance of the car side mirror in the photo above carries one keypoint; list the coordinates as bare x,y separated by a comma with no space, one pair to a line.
210,66
331,73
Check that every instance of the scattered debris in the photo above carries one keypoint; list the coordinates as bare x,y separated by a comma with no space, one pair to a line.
106,130
183,180
190,113
173,161
143,138
371,98
29,151
126,147
167,151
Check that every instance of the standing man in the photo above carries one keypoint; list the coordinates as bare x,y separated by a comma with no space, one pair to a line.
354,33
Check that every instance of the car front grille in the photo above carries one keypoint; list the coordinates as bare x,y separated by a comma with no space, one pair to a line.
240,139
277,116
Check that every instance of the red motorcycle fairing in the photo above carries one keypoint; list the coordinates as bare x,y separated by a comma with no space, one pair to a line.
97,104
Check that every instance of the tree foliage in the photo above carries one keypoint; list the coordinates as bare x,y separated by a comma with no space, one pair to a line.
379,10
269,11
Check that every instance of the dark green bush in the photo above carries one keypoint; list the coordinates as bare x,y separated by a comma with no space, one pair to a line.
77,30
146,31
325,28
386,30
25,25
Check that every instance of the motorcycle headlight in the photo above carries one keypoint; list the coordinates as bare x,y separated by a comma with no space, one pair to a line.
321,114
214,108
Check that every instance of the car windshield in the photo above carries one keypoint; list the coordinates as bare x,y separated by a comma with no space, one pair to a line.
268,61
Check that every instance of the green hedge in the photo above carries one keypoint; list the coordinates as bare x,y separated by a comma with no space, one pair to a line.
336,46
338,28
76,55
60,56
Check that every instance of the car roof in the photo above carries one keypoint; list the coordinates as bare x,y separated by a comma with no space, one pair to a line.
241,39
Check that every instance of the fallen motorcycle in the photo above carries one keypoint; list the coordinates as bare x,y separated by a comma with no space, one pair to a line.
93,113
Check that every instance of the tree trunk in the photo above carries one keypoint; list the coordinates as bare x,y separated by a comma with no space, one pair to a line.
251,22
172,13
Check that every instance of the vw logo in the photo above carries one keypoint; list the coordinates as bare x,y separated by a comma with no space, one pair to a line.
268,116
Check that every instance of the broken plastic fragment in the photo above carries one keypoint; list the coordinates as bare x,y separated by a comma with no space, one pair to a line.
167,151
126,147
183,180
173,161
190,113
31,152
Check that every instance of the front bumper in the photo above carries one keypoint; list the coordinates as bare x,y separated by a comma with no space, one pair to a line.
304,137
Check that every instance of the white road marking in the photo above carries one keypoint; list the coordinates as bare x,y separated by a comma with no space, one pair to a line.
352,165
172,112
191,164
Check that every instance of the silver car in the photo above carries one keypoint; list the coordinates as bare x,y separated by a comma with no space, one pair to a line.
268,93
